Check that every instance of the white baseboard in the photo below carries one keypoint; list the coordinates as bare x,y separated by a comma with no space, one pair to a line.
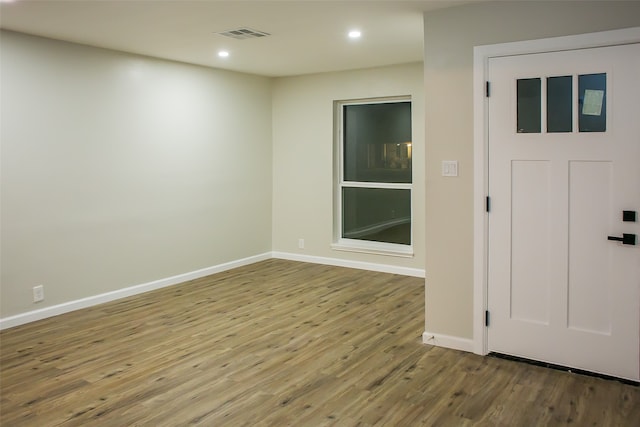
448,341
383,268
43,313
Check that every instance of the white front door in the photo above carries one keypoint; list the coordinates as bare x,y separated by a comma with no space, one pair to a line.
564,164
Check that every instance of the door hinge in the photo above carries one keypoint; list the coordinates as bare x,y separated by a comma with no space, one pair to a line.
487,89
486,318
488,204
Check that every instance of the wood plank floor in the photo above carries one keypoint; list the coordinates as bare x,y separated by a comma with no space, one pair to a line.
280,343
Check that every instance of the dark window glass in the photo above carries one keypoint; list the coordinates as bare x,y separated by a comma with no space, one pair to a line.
377,142
529,99
377,214
559,103
592,102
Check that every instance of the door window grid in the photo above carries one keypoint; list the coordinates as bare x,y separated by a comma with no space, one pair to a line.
562,104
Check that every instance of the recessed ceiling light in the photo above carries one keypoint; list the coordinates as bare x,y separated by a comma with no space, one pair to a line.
354,34
223,54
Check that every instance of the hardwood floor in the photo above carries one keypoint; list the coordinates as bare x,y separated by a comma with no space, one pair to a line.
280,343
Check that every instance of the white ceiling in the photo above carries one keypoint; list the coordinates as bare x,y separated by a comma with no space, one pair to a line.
307,36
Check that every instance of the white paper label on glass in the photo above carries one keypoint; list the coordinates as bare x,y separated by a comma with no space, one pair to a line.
592,105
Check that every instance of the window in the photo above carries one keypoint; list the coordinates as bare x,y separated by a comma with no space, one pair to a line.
592,90
559,104
591,102
374,176
528,105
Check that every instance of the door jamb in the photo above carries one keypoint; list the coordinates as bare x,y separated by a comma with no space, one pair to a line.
481,56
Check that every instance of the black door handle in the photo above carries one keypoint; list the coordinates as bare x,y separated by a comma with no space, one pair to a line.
626,239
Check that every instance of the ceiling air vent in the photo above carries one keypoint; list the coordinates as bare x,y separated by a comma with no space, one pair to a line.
244,33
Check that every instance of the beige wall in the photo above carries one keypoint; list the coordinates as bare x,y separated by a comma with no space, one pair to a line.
303,146
118,170
450,36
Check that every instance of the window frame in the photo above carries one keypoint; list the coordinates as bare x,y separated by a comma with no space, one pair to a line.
356,245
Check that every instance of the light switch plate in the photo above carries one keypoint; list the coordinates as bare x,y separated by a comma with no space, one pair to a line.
449,168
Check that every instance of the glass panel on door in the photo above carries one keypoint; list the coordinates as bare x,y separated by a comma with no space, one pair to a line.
592,102
559,104
529,96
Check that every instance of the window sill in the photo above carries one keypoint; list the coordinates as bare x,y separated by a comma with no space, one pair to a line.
375,248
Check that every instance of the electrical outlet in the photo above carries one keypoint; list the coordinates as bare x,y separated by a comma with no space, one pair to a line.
301,243
38,293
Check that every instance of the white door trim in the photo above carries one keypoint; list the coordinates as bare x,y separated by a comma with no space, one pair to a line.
481,56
